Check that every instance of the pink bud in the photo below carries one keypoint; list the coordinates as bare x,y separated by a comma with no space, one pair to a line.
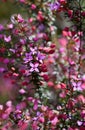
33,6
41,119
50,84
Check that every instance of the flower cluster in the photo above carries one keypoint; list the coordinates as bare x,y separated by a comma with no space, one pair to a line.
42,73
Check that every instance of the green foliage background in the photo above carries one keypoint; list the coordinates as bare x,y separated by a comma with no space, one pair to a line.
7,9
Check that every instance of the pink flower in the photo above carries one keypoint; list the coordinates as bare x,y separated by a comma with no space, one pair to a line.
1,27
63,86
43,108
81,98
34,125
1,107
63,94
41,119
33,6
54,121
10,26
22,91
7,39
50,84
9,103
79,123
63,41
83,77
22,125
83,86
35,105
34,67
20,19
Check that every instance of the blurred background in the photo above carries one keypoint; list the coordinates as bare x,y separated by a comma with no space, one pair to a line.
7,9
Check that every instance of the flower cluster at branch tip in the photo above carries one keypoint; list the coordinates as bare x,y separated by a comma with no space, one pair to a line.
42,67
